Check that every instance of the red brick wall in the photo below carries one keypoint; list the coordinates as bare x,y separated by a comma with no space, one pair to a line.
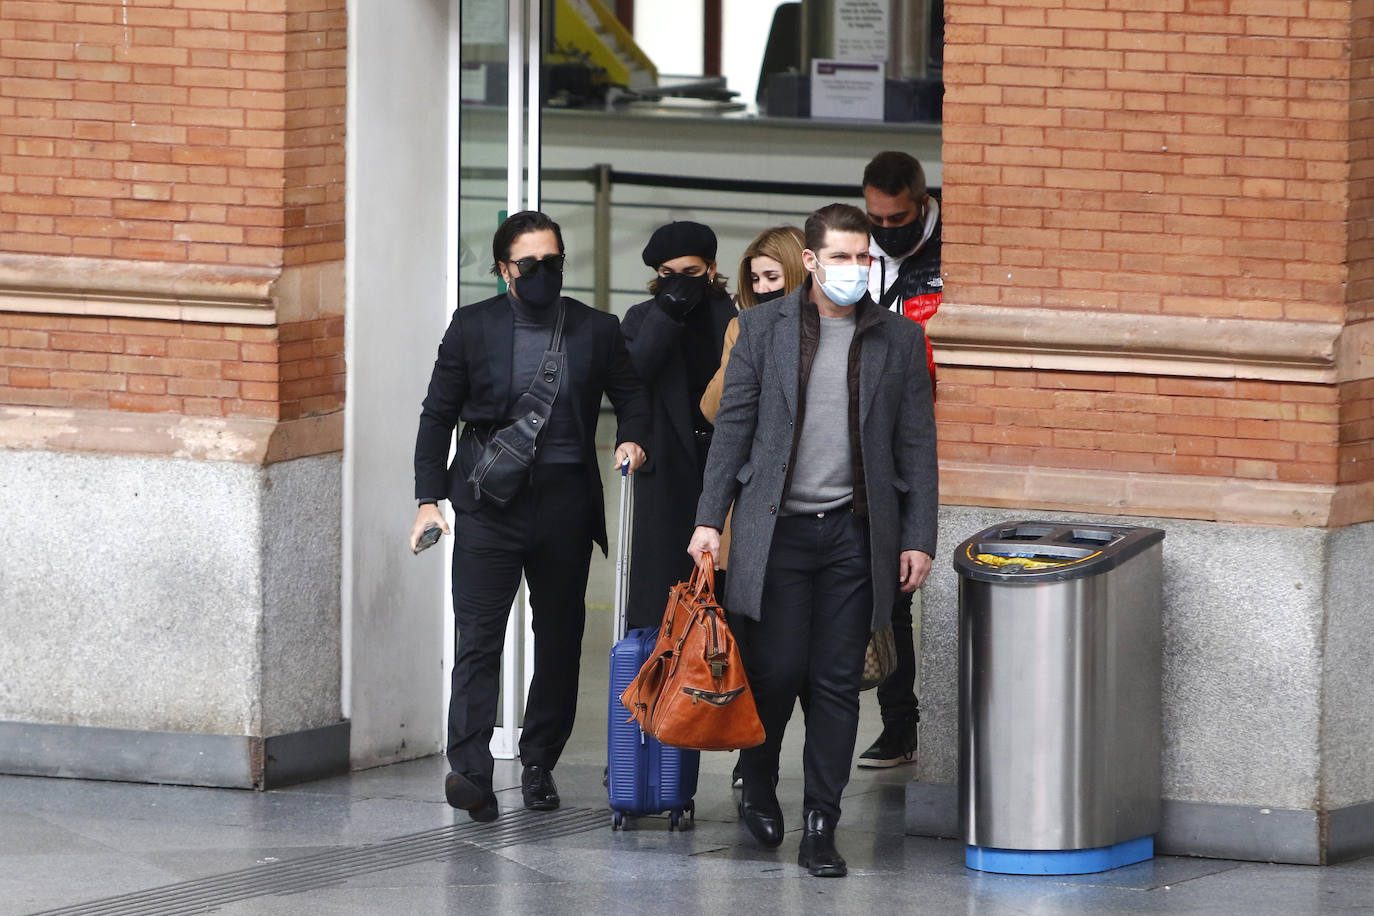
1361,248
208,132
1357,398
175,132
1175,157
180,367
1357,431
1209,427
316,72
1162,156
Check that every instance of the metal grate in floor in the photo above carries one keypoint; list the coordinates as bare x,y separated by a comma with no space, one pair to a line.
292,876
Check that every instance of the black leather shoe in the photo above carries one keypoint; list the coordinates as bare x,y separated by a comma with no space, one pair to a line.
818,854
538,790
762,816
473,795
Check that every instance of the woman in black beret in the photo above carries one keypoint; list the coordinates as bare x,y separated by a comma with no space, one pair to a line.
675,342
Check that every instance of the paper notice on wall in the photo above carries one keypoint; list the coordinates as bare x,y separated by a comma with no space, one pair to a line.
852,90
861,30
472,83
483,22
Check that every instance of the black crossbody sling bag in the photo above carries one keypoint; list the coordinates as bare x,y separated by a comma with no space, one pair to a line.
508,457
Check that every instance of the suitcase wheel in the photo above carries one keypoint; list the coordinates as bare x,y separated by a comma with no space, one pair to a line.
617,821
674,818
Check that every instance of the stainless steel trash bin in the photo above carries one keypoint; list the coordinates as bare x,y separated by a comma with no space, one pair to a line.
1059,696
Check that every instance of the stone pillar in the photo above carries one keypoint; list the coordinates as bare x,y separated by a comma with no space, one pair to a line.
1157,312
171,390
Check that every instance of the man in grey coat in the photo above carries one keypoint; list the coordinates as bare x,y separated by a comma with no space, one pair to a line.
825,444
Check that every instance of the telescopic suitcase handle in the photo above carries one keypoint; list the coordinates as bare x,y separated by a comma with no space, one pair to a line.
622,557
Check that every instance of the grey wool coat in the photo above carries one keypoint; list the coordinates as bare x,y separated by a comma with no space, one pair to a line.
754,438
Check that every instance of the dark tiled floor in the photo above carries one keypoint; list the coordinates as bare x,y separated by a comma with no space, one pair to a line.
331,847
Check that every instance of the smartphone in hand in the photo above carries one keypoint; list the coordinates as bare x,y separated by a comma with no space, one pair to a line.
428,538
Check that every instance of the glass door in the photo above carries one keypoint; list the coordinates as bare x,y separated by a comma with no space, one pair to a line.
497,143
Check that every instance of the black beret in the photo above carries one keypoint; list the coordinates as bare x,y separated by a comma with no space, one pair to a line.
679,239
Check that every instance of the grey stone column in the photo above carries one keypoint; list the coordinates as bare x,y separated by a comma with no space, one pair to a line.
170,620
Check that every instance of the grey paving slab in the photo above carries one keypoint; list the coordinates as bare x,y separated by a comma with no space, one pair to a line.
29,883
32,835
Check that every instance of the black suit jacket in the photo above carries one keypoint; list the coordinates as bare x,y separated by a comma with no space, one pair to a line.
472,383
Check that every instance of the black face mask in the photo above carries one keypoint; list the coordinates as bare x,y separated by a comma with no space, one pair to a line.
540,290
898,240
678,294
769,296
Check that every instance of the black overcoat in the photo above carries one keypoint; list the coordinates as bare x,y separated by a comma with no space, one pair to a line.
668,486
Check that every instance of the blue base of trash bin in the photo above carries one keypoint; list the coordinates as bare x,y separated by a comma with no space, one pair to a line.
1059,861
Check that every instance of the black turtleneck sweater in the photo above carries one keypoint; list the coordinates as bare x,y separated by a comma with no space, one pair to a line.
533,334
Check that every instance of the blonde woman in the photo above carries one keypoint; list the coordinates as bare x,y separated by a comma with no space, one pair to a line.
771,267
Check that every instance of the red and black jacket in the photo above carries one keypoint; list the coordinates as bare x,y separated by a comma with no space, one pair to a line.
917,288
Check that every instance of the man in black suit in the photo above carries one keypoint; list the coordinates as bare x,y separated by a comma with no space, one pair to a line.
488,358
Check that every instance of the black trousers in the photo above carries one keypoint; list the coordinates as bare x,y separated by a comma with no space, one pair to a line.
546,533
897,694
816,617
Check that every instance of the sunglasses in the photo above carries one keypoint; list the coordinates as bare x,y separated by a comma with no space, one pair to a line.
530,266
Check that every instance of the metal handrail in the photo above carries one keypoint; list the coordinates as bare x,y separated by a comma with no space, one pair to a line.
604,174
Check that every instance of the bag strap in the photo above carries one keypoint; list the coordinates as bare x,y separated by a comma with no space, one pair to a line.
703,581
537,401
556,343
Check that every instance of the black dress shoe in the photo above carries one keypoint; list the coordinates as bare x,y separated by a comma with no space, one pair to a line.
818,854
473,795
538,790
762,816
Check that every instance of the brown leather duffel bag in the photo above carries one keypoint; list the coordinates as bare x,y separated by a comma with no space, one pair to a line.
692,691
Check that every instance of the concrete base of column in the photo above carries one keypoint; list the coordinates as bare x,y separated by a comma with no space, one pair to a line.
125,755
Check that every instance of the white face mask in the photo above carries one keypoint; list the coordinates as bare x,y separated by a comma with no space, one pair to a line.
845,284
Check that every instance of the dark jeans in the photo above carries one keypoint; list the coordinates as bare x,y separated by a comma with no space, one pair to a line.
546,533
817,614
897,694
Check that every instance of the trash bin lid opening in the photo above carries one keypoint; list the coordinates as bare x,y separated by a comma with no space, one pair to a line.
1025,556
1024,533
1089,536
1039,551
1015,563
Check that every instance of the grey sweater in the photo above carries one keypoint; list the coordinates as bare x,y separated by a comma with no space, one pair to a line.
823,471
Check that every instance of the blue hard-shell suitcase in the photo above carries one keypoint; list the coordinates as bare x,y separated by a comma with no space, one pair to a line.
643,776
